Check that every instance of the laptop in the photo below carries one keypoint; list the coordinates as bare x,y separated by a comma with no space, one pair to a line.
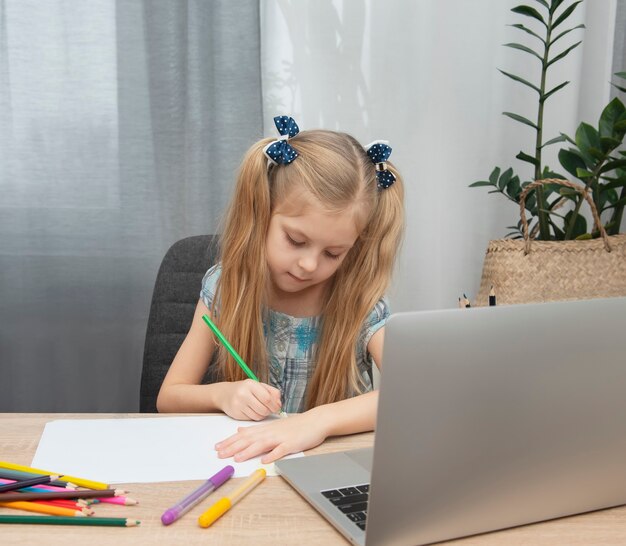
488,418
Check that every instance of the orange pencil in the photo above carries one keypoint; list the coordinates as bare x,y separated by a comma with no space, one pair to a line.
42,509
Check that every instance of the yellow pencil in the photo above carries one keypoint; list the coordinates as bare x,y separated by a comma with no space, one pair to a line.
43,508
77,481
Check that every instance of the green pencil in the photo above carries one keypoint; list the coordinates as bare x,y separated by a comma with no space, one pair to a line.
234,353
61,520
228,346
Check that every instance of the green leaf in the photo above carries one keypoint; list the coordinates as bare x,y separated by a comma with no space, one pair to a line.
583,173
610,165
622,89
523,48
480,183
548,173
554,5
587,137
583,237
563,53
613,112
529,12
558,233
568,11
493,177
571,161
554,141
566,32
617,204
569,139
504,179
553,90
621,75
528,31
521,80
580,224
609,144
609,195
596,154
521,119
615,183
543,3
528,158
569,193
513,188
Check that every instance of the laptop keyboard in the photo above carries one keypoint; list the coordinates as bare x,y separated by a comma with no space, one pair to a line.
352,501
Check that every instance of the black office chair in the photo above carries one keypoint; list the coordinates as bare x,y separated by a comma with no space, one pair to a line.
176,293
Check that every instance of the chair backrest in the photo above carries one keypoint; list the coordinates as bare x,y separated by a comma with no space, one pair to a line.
176,294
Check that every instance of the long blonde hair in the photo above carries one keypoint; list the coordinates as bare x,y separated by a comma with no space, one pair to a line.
333,168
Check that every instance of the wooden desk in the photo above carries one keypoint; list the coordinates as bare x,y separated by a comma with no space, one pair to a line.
273,514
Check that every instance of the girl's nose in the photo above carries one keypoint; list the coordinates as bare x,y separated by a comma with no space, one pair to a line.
308,262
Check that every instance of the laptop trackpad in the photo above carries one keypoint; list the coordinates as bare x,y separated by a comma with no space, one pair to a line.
362,457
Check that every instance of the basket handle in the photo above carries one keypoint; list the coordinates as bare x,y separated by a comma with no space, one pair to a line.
584,192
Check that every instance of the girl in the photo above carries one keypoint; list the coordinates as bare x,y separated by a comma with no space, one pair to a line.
307,252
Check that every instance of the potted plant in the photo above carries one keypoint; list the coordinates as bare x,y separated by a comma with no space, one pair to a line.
551,209
592,156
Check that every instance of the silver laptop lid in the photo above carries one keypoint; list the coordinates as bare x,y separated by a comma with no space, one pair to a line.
498,416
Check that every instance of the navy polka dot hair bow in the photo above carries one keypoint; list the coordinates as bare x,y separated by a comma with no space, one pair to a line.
280,151
379,152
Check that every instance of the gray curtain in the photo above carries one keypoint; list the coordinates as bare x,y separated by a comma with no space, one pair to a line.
121,127
619,48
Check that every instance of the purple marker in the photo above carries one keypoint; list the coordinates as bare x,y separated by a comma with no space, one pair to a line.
176,511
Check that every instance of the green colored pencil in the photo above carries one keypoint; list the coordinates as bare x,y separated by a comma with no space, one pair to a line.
228,346
234,353
61,520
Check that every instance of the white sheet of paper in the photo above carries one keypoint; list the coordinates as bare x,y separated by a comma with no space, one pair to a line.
140,450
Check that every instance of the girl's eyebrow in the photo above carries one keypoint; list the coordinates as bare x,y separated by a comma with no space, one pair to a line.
300,234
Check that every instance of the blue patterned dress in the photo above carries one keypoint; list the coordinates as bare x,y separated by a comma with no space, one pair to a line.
291,344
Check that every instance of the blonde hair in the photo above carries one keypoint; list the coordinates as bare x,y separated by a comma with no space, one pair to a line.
334,169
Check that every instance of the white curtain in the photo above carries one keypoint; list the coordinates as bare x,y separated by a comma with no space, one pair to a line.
423,75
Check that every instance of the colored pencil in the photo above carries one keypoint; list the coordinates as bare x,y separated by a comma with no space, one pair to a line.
62,504
48,495
48,520
78,481
43,509
124,501
36,488
230,348
17,475
233,353
27,483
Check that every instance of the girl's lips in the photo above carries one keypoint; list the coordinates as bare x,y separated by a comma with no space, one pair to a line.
296,278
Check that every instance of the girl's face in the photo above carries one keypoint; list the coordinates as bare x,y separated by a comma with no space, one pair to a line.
305,245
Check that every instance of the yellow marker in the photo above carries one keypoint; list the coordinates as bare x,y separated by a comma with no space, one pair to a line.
226,503
90,484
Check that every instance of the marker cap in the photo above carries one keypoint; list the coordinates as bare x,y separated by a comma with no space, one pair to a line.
216,511
219,478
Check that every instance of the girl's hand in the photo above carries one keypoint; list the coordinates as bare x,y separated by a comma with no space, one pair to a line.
276,439
250,400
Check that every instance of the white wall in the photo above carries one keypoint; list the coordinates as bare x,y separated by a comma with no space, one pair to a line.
423,75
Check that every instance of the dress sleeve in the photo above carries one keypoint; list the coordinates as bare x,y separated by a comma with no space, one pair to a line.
374,322
209,285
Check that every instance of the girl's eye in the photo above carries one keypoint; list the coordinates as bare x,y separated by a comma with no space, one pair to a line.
332,256
292,242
